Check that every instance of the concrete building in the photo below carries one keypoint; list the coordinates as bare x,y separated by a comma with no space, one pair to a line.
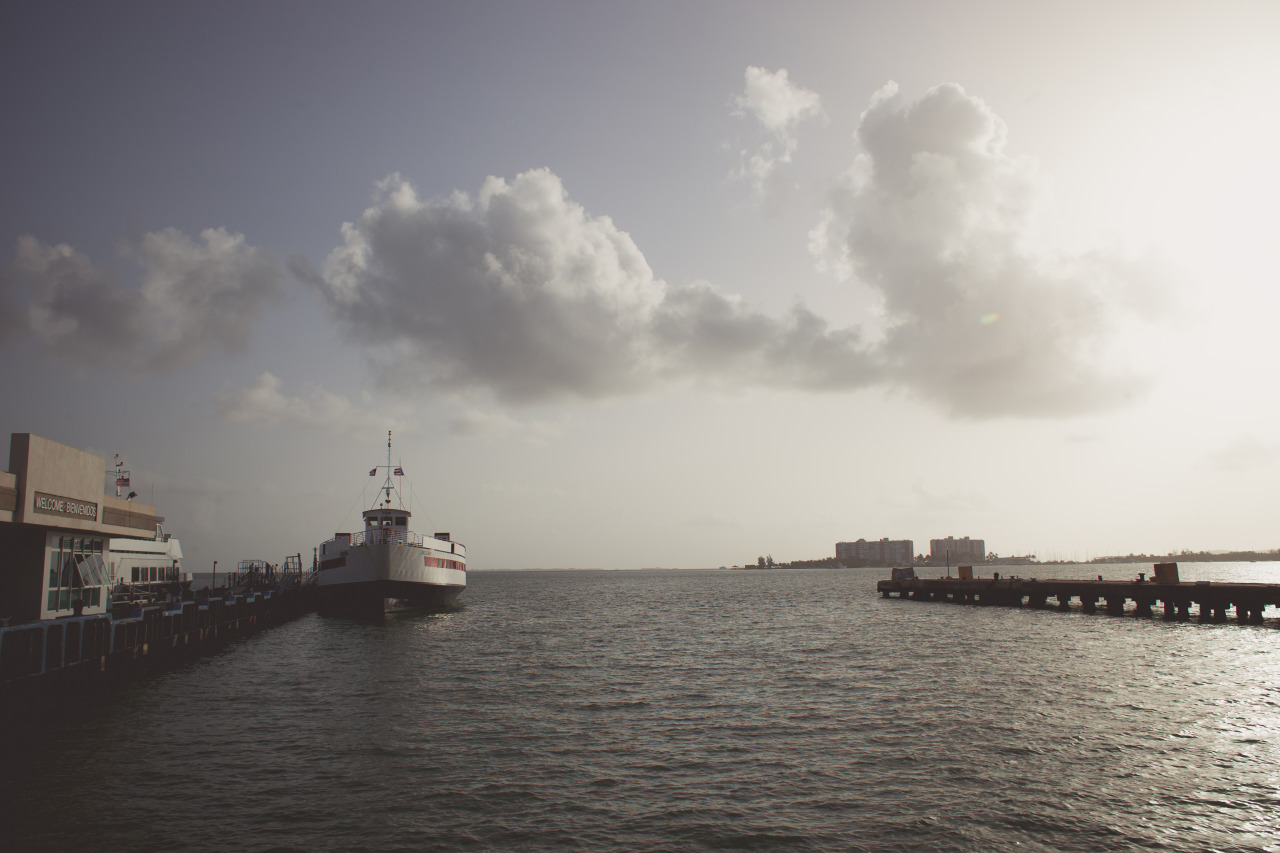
57,530
962,550
885,551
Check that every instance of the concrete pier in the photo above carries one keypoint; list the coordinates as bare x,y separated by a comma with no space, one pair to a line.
1170,598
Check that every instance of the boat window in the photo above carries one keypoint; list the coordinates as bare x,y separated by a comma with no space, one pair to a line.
402,521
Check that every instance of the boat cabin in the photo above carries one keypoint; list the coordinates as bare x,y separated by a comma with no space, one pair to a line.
385,518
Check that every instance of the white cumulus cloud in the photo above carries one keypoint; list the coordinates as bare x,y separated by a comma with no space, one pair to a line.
779,106
194,296
936,218
520,291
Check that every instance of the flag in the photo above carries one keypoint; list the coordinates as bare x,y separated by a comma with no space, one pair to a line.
122,481
399,472
373,471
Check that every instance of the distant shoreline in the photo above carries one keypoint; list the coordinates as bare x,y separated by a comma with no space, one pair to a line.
1199,557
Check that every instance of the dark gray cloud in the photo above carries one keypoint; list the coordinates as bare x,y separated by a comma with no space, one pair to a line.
193,297
518,290
936,218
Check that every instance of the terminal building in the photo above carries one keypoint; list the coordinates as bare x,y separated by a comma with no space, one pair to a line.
64,542
885,551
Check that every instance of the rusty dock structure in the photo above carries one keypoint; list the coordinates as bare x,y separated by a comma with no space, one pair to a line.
1163,593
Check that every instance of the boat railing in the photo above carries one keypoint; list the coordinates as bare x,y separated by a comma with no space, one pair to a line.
387,537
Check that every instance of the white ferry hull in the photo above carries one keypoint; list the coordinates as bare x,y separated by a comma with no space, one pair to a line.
389,576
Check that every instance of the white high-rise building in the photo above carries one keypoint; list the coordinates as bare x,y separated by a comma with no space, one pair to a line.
960,550
895,551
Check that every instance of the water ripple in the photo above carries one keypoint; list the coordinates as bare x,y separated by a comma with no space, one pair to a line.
786,710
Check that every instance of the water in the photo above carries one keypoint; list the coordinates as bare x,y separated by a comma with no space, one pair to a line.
785,710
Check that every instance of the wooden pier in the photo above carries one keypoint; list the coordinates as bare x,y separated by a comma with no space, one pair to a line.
1165,594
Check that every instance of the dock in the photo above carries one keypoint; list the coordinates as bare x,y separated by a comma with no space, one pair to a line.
101,649
1163,593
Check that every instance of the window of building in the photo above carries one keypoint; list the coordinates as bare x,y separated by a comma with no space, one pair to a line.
76,572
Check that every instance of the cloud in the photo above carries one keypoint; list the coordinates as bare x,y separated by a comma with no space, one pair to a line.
936,218
476,423
194,296
779,106
1245,453
263,404
520,291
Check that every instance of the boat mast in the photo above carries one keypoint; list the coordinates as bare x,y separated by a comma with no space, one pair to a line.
122,476
387,485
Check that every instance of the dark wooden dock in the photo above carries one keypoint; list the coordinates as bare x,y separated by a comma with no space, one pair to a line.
82,650
1171,598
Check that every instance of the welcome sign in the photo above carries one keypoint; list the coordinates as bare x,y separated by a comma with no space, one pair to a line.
57,505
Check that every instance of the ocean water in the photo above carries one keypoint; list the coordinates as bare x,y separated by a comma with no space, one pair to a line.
678,710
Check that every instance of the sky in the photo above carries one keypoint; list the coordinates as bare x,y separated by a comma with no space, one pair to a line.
653,284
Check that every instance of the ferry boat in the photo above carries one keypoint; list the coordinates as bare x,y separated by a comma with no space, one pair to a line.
386,566
143,567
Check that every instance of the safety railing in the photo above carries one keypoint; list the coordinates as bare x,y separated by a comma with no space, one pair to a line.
386,537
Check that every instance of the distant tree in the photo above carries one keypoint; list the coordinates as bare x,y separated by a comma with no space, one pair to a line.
760,562
769,561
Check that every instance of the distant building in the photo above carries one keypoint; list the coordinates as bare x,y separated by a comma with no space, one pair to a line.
960,550
886,551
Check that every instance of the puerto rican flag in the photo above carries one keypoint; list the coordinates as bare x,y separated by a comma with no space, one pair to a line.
373,471
399,471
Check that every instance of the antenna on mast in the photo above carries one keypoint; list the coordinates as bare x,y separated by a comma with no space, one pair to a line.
387,485
122,476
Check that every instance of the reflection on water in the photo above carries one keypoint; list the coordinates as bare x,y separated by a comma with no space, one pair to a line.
676,710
